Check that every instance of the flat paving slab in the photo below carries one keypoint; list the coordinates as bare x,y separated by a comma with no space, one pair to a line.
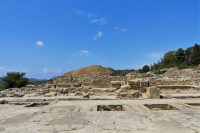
83,117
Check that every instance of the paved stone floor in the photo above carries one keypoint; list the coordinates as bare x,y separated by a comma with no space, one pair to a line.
82,117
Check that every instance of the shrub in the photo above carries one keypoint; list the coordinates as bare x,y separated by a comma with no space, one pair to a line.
14,80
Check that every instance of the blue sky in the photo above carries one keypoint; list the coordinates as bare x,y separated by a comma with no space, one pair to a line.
46,38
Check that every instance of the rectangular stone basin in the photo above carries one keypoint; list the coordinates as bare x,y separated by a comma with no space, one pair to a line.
194,104
37,104
110,108
160,107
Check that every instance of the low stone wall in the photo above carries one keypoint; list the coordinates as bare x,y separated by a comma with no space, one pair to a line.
176,87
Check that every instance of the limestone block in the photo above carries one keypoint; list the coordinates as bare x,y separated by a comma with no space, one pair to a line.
153,93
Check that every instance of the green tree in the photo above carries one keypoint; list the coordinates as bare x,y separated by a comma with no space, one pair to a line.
180,56
169,59
14,80
145,69
188,53
195,55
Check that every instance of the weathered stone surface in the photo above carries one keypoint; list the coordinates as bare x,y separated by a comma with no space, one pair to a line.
86,89
123,94
78,93
134,83
135,94
86,95
116,84
125,88
77,85
82,117
18,94
51,94
153,93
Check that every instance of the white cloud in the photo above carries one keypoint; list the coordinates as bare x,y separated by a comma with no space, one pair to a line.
39,43
118,30
84,53
98,35
80,55
98,20
95,19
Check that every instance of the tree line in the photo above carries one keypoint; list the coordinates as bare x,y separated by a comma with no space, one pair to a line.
180,58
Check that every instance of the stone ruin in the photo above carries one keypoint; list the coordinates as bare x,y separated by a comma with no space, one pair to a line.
133,85
105,104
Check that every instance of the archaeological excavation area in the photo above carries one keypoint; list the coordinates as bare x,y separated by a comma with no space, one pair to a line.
81,102
59,115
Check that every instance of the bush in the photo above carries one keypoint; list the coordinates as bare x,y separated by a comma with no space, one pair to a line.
14,80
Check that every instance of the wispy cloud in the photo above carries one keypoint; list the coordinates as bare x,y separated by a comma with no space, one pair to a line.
118,30
92,18
78,55
39,43
98,20
84,53
98,35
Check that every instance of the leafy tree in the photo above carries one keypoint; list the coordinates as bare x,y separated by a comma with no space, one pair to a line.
188,53
169,60
14,80
145,69
195,55
180,56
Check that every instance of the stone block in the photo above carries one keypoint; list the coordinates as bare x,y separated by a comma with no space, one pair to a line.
153,93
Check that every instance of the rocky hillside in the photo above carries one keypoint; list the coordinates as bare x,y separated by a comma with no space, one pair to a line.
90,71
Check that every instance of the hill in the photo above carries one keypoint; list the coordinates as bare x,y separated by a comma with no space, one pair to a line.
90,71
